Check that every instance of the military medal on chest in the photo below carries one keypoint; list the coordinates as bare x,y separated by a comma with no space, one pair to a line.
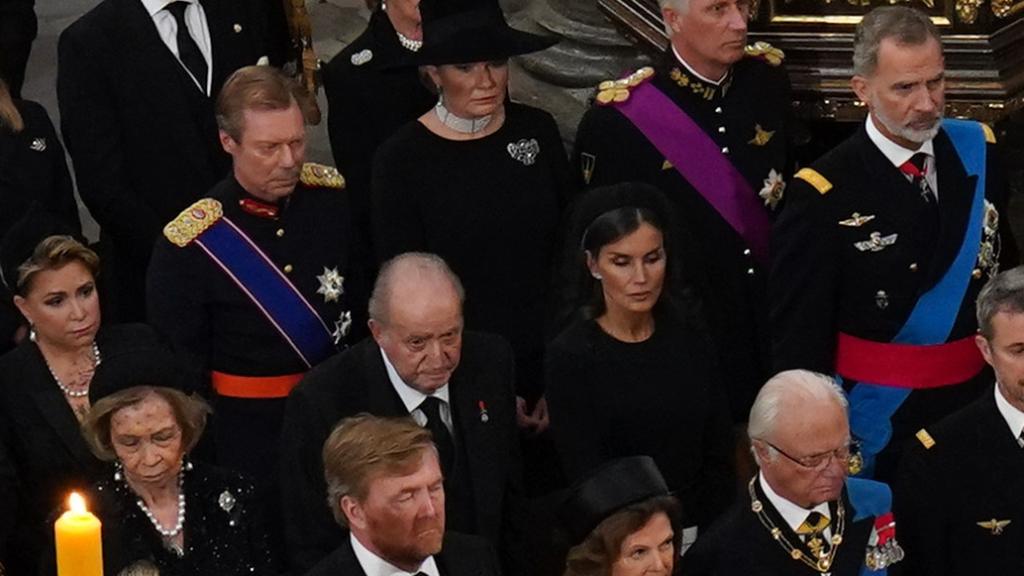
331,284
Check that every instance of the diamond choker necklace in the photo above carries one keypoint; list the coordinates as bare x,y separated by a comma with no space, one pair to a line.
408,43
463,125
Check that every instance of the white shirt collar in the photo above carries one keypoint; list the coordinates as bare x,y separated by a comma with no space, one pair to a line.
374,565
411,397
894,152
694,72
793,515
1014,417
154,6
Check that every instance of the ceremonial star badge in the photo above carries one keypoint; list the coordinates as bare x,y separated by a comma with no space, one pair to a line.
341,326
331,284
773,188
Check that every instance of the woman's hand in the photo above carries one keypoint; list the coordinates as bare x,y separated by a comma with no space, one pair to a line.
537,420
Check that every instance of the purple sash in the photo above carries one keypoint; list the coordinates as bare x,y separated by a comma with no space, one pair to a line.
698,159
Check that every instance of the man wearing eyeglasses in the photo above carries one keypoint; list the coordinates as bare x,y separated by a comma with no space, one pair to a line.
974,459
803,516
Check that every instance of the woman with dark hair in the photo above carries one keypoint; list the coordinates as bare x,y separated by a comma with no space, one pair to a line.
622,522
480,181
634,372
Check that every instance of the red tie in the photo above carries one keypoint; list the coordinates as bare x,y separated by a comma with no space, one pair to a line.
917,169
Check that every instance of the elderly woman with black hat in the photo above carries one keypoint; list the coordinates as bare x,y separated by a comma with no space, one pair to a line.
481,182
622,521
156,503
634,373
45,381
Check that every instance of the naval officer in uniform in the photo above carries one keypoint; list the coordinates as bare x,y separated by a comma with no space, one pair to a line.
708,126
882,245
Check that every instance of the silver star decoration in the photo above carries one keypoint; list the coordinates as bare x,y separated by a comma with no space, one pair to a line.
342,326
331,284
226,501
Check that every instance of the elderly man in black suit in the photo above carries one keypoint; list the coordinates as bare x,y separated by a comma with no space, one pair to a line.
419,362
136,84
958,491
384,484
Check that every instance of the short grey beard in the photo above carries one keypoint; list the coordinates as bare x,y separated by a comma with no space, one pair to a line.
916,136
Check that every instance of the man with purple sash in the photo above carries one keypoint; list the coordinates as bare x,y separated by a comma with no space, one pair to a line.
882,245
253,282
707,125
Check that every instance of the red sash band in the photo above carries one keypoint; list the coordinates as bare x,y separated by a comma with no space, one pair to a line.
254,386
907,365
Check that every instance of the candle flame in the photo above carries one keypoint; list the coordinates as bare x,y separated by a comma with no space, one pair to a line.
76,503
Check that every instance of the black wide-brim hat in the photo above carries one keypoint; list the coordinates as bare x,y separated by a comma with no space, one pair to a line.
607,490
477,35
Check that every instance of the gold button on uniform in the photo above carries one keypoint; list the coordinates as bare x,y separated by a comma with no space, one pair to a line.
288,268
280,232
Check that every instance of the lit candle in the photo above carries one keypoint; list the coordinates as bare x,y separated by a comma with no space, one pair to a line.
79,547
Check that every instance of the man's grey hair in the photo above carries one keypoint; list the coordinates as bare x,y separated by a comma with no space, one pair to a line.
906,26
1004,293
680,6
421,263
799,384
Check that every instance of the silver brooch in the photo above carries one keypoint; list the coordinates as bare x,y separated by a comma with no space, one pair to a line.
226,501
524,151
237,28
38,144
361,57
332,284
876,242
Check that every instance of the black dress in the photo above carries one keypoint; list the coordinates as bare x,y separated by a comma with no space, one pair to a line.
42,453
224,531
490,207
662,397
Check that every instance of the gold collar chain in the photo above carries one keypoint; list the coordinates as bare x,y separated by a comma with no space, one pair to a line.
823,563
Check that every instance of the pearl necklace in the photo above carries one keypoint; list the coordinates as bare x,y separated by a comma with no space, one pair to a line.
67,390
408,43
168,533
459,124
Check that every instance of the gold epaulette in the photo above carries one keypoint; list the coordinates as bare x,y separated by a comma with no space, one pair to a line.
765,51
814,178
615,91
990,136
322,176
925,438
193,221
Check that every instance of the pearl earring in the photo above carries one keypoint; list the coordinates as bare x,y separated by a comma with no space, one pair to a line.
597,276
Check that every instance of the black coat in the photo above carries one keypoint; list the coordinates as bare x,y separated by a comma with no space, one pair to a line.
969,476
142,137
738,544
484,492
42,453
461,555
610,149
821,284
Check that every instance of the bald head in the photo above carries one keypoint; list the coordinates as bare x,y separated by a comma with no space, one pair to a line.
416,319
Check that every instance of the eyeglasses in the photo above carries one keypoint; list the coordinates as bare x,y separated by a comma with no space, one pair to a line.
844,454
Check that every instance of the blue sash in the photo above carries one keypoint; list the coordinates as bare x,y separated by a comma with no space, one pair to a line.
872,405
283,305
869,499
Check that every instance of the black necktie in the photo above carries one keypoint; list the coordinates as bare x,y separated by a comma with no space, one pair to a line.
188,50
431,408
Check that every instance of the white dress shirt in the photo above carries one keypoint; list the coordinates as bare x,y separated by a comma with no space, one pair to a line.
1014,417
374,565
167,27
412,398
898,155
792,514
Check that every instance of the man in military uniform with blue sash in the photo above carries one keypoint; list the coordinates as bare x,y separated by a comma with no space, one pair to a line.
252,282
882,245
708,125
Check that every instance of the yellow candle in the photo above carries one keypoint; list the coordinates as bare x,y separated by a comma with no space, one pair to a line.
79,547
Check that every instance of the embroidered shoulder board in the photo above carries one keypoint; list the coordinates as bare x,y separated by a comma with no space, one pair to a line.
615,91
193,221
990,136
814,178
322,176
925,439
765,51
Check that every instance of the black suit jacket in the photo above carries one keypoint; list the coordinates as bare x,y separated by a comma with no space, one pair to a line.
42,453
142,137
739,545
970,476
484,492
461,555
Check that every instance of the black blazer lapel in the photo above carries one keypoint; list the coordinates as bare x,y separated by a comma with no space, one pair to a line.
956,191
476,439
886,186
55,409
380,395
